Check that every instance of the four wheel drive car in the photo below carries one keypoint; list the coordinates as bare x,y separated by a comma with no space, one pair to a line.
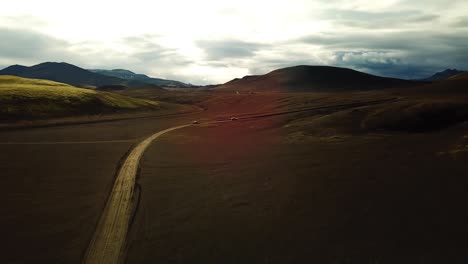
195,122
233,118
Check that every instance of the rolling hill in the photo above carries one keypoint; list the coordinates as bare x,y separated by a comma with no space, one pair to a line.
313,78
131,76
23,98
69,74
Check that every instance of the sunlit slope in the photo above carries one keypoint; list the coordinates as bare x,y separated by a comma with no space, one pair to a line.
30,98
460,76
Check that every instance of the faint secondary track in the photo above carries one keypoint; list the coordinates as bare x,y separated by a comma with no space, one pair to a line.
66,142
108,241
307,109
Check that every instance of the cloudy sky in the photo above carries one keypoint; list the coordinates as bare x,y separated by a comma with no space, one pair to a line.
213,41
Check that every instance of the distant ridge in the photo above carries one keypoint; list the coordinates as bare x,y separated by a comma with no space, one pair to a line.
443,75
313,78
69,74
129,75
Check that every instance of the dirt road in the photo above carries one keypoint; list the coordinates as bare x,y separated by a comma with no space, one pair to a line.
109,238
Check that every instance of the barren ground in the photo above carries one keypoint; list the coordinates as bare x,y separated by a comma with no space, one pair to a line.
322,186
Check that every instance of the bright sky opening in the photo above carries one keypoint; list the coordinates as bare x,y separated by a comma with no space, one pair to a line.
210,42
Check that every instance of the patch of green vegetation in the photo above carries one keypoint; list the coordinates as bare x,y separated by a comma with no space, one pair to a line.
23,98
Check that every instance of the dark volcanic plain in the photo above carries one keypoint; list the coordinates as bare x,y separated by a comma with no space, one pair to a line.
380,181
54,193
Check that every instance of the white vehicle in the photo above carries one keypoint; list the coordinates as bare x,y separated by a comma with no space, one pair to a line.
233,118
195,122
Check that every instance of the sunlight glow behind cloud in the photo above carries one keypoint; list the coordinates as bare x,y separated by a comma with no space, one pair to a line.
211,41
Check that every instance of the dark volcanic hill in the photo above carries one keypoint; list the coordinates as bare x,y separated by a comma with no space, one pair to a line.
313,78
443,75
129,75
67,73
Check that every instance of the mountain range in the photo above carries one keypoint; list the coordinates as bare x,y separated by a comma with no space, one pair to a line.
66,73
131,76
298,78
76,76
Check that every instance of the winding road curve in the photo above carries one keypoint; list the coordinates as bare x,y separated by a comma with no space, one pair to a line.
108,241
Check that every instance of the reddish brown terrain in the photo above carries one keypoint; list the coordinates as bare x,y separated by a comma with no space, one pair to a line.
306,187
310,177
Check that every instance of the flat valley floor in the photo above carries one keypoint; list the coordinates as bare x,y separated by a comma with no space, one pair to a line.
319,186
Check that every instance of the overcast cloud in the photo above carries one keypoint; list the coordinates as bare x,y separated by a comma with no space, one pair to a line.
209,41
